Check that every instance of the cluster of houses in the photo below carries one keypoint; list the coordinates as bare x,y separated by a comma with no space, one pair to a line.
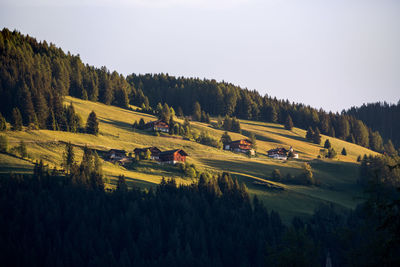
242,145
164,157
282,153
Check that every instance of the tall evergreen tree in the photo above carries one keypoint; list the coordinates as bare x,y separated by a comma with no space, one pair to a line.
16,120
196,111
317,136
344,152
92,124
225,138
68,157
121,184
3,144
327,144
361,133
3,123
310,134
288,123
389,148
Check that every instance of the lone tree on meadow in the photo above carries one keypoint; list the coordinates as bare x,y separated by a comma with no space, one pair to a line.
310,134
288,123
92,124
344,152
327,144
317,136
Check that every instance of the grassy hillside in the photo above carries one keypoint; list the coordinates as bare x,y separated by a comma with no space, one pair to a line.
337,176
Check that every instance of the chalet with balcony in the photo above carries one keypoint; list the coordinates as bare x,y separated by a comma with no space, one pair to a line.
243,146
155,152
157,126
173,156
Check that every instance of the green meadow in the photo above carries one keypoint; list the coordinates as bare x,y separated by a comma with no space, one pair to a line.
338,176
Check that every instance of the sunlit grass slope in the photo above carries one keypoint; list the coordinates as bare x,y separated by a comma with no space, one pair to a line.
338,176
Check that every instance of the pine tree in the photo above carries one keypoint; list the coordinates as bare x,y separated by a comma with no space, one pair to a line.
121,184
389,148
3,123
51,122
68,157
165,113
16,120
22,149
92,124
3,144
327,144
310,134
196,111
344,152
253,140
227,124
180,112
317,136
235,125
225,138
288,123
141,123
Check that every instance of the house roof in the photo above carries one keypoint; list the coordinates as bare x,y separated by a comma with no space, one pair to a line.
238,141
170,152
116,151
158,123
151,148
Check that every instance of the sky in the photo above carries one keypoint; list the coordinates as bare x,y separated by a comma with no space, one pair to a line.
330,54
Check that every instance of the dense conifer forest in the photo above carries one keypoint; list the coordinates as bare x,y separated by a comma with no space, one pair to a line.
49,219
34,76
382,117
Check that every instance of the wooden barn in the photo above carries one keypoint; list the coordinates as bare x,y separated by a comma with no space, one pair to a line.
242,145
157,126
278,153
116,154
173,156
155,152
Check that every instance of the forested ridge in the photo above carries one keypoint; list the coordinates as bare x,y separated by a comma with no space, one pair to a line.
50,219
382,117
34,77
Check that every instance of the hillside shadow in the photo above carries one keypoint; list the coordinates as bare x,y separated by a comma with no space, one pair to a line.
261,137
261,125
257,169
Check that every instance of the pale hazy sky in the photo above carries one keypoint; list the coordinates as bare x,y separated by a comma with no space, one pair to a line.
326,53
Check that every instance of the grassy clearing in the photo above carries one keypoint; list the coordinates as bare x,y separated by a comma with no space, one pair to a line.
338,176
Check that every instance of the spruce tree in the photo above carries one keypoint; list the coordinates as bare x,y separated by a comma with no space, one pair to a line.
92,124
3,123
122,187
3,144
22,149
165,113
225,138
288,123
389,148
68,157
327,144
196,111
344,152
16,120
310,134
317,136
236,125
253,140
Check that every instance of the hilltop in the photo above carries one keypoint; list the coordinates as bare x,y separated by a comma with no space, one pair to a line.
337,176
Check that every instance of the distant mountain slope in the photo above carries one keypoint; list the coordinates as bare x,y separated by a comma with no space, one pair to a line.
338,176
34,77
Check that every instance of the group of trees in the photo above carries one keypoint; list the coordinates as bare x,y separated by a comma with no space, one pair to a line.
225,99
34,77
381,117
313,136
305,177
53,220
229,124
